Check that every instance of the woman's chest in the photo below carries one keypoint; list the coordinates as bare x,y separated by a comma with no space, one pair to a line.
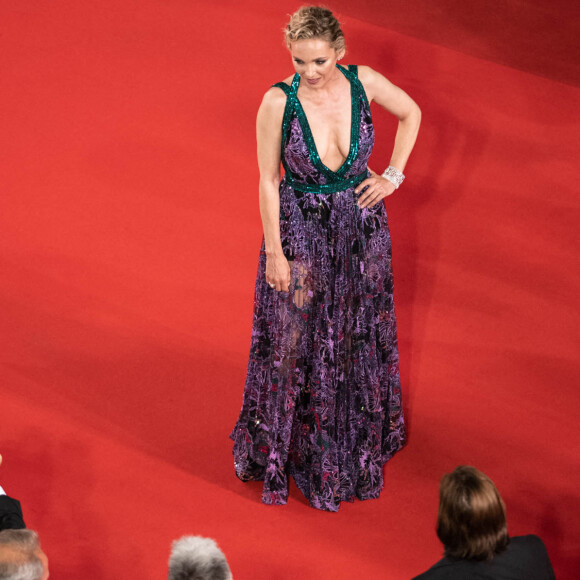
330,124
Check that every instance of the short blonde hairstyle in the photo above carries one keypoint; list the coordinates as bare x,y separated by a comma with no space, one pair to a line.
314,22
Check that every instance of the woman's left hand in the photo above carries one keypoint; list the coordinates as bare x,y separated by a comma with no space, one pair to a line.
378,188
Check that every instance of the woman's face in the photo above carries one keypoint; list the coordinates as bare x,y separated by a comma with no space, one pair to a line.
314,60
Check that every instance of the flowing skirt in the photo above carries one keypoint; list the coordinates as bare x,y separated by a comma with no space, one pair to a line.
322,400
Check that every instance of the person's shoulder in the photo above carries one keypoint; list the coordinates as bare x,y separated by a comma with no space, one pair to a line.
530,551
274,100
531,540
530,544
366,73
371,80
271,111
281,88
444,569
7,501
275,96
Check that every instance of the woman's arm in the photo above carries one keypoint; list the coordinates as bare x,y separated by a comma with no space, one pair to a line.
400,104
269,137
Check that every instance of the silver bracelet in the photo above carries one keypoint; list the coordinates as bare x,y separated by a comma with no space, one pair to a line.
395,176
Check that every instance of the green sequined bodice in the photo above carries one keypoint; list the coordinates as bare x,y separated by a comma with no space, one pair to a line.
304,169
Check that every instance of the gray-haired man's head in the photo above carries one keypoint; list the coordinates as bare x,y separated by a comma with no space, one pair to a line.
21,557
197,558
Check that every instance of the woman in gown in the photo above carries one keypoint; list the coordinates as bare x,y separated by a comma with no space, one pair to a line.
322,400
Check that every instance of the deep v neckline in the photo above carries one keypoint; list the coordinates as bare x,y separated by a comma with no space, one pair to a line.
354,128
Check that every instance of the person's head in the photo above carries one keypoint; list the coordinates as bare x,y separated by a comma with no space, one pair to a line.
197,558
21,557
315,41
471,523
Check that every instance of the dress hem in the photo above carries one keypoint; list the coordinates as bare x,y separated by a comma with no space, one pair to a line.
281,498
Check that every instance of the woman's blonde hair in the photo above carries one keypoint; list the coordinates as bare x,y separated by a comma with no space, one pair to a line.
314,22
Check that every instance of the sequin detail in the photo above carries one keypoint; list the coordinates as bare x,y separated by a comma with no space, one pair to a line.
322,399
332,187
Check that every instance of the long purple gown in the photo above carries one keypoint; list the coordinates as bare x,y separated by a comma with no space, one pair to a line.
322,400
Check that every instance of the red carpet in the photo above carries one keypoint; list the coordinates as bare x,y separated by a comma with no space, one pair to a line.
129,236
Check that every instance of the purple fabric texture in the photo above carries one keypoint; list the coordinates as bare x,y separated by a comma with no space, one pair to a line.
322,399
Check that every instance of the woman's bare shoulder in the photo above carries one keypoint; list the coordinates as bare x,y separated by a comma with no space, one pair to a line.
275,97
366,74
372,81
272,108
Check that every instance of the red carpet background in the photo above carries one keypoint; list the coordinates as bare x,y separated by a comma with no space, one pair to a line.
130,231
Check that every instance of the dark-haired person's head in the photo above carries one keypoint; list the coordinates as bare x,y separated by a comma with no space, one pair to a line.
471,523
21,557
